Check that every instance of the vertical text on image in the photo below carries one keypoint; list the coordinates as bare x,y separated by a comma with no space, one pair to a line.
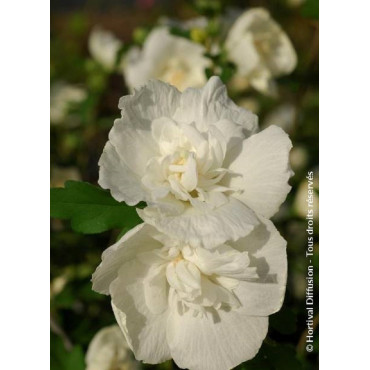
309,256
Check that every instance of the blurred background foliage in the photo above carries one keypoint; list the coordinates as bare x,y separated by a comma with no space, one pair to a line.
79,131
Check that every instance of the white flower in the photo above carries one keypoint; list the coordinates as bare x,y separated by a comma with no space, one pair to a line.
62,97
103,47
249,104
283,116
299,158
192,158
108,350
206,309
168,58
260,49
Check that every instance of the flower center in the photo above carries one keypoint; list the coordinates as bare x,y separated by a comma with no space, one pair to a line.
188,167
199,278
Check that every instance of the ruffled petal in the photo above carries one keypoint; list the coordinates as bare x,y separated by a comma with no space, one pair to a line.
209,227
211,104
267,251
217,340
131,144
115,175
138,240
154,100
264,164
146,330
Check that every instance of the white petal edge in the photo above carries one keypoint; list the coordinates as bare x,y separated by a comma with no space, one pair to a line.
267,252
264,164
137,240
146,332
210,104
208,228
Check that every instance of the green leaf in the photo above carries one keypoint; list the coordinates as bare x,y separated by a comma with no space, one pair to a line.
90,209
76,360
61,359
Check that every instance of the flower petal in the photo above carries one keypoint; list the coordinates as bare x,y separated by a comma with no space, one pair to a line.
264,164
209,228
211,104
138,240
145,329
267,252
131,144
115,175
242,50
217,340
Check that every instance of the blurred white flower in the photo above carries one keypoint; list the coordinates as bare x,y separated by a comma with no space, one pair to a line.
57,285
195,159
260,49
283,116
298,158
249,104
103,47
168,58
108,350
206,309
63,97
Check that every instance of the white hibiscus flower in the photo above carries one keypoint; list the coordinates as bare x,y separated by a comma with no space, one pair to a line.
168,58
192,158
63,97
206,309
103,47
108,350
260,49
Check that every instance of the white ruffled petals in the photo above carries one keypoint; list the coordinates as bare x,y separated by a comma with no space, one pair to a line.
177,152
169,297
197,281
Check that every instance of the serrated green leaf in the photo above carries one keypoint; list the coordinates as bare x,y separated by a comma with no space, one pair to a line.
90,209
